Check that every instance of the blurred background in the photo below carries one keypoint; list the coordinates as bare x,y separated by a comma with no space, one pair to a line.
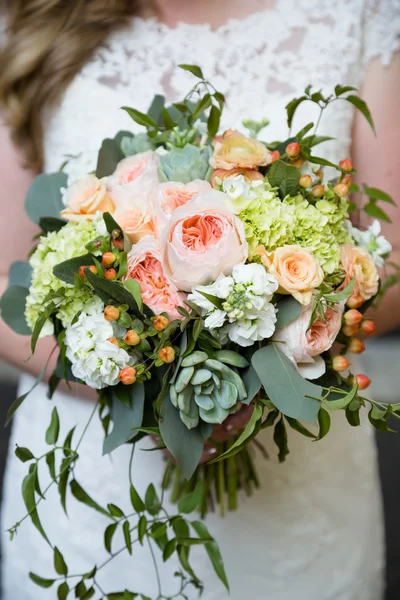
381,361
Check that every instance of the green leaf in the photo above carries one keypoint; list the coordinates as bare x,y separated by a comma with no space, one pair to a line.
89,594
314,140
213,121
12,308
186,445
28,494
155,108
169,549
20,273
17,403
341,402
158,530
318,160
377,194
197,328
297,426
353,417
50,461
373,210
79,493
59,562
127,536
53,429
217,302
63,482
195,70
212,550
300,135
24,454
251,382
140,118
115,511
152,501
108,536
280,439
343,294
67,442
292,107
288,310
50,224
285,177
342,89
133,286
67,270
168,121
324,422
136,501
362,106
111,290
110,155
191,501
284,386
63,591
41,581
248,431
44,196
142,527
125,419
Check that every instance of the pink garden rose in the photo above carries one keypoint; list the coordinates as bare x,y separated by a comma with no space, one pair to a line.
166,197
203,239
144,265
133,179
303,346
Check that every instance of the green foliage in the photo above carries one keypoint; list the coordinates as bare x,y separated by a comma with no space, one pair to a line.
125,418
288,310
12,307
285,177
44,196
290,393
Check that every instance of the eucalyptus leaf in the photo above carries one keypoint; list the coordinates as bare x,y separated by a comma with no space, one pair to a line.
12,308
110,155
20,273
284,386
288,310
125,419
44,196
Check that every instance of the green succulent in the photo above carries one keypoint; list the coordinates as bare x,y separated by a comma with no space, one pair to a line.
208,388
185,164
138,143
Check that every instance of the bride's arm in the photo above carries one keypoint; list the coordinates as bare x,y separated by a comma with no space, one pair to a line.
377,160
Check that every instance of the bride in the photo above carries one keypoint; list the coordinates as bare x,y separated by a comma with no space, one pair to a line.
314,529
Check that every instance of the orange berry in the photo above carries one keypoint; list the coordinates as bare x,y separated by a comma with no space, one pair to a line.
350,330
341,190
340,363
113,340
119,244
293,149
83,268
347,180
111,313
110,274
298,163
127,375
353,317
108,259
275,155
346,164
355,301
160,323
132,338
305,181
368,327
167,354
362,381
318,191
356,346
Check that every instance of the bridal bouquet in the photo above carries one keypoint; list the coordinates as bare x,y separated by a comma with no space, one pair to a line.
197,280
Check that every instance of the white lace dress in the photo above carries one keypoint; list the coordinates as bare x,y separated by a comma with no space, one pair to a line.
314,529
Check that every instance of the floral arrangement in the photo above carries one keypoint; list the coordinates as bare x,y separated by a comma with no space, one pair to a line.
192,279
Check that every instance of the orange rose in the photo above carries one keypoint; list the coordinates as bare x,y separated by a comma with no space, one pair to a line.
136,221
85,197
296,269
358,263
238,151
249,175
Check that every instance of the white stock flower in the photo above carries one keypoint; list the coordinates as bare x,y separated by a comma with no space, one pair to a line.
371,241
95,360
238,193
246,313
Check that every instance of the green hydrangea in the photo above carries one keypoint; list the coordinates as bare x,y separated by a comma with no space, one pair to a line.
272,222
53,249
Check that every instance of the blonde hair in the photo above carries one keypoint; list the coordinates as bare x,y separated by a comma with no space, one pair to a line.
48,42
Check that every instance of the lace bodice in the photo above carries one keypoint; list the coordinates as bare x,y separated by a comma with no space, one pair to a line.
259,63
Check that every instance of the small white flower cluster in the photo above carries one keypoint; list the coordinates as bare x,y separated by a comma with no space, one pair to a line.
371,241
246,314
95,360
239,192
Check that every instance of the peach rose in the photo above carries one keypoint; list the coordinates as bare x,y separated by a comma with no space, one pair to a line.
144,265
166,197
133,178
249,175
303,345
238,151
296,269
203,239
137,220
358,263
85,197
